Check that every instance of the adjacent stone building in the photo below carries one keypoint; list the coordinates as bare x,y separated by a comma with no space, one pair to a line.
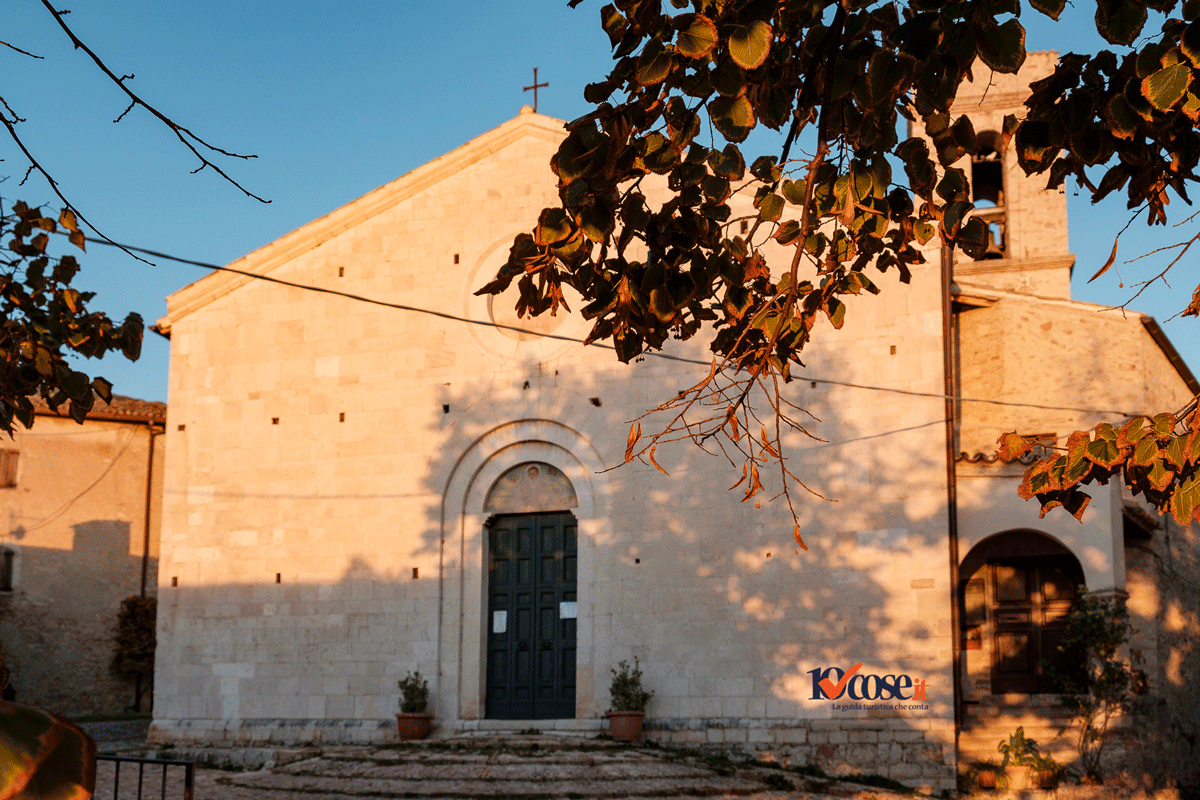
364,489
82,506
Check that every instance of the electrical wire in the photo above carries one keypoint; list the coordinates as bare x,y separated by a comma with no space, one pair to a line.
576,340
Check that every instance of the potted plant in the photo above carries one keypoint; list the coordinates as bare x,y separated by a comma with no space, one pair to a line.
1046,772
629,700
984,775
1021,756
414,721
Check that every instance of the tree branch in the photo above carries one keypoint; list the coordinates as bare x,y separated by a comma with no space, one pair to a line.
185,136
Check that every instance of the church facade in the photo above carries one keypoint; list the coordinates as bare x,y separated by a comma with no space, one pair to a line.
357,490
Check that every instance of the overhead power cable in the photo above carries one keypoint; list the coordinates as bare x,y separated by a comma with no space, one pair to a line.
576,340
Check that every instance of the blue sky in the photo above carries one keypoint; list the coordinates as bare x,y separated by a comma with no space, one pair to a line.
334,105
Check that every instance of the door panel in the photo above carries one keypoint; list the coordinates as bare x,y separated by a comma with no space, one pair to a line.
1031,597
531,662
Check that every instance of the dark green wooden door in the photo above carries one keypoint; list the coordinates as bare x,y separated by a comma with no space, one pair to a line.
531,617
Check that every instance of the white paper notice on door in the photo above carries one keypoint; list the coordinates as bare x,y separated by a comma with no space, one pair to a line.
499,622
568,610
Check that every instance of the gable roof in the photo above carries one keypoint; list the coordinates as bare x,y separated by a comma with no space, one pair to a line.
265,259
121,409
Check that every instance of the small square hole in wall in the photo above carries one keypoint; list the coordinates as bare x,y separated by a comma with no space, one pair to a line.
181,427
279,577
342,416
745,226
341,272
637,561
595,401
175,581
274,420
414,573
445,408
456,258
893,349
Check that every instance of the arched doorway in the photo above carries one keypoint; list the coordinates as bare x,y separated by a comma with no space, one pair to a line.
1015,591
532,579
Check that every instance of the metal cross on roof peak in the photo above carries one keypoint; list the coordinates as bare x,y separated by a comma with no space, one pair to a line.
535,88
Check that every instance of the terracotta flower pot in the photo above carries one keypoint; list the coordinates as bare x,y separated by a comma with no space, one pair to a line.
986,779
1019,778
414,726
1045,778
626,726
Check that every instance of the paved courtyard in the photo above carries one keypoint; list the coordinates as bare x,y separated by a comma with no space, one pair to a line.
530,766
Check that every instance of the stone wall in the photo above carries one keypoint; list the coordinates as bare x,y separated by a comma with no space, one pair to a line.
75,522
336,456
1163,741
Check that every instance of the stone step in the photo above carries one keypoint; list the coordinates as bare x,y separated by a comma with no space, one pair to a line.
536,768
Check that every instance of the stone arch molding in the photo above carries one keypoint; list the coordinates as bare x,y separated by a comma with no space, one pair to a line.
461,637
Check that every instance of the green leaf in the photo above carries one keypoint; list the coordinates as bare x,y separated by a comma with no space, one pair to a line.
1145,452
595,221
1176,452
923,231
749,44
728,163
553,226
1159,476
1104,451
75,384
1051,8
732,116
765,169
653,65
697,36
788,232
770,207
102,388
1001,47
1189,43
1185,503
628,346
1162,425
1120,21
738,300
885,74
794,191
42,362
1167,86
1123,121
836,311
661,154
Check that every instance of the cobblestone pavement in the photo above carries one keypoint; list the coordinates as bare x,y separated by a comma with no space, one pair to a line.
537,767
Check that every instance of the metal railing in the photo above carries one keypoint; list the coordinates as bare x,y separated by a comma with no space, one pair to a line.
189,774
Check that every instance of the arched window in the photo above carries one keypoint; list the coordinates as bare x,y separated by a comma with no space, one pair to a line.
987,190
1015,591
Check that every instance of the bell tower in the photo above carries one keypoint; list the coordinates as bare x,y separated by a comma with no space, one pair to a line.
1027,223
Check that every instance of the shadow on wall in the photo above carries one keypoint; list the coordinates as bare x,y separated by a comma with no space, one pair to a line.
57,623
733,626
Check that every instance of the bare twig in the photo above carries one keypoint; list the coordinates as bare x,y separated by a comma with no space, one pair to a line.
34,165
19,50
189,139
